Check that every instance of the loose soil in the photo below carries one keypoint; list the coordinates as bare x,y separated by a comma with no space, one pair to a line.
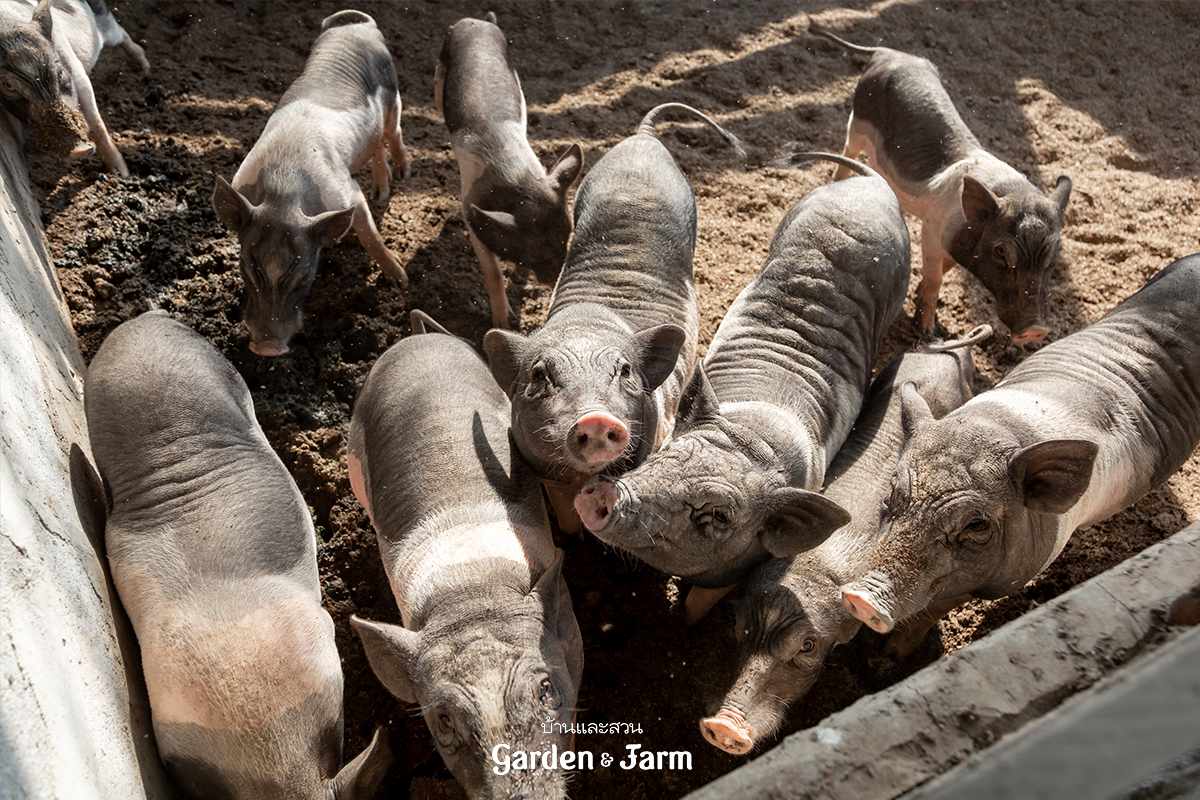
1101,92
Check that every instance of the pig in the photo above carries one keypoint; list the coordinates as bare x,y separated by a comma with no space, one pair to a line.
985,498
294,194
975,210
596,388
47,51
213,555
489,648
513,209
777,394
789,611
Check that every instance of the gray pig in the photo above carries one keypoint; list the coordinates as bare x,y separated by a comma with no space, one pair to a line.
788,366
789,611
295,193
489,648
213,554
975,210
984,499
512,208
595,389
47,51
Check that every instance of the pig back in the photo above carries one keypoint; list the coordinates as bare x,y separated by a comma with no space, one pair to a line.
635,237
349,64
803,335
431,430
479,81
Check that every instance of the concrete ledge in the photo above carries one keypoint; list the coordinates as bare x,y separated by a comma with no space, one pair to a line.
894,740
69,725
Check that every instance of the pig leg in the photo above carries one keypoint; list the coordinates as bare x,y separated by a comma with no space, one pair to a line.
380,174
935,263
109,153
372,242
903,642
489,262
562,500
115,36
856,143
700,601
395,142
439,83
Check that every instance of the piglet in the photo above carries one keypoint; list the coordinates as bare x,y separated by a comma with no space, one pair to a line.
213,554
780,388
489,649
294,193
595,389
975,210
47,51
789,611
985,498
512,207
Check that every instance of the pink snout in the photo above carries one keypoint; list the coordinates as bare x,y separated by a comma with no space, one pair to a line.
269,348
861,607
1034,333
599,438
595,503
728,731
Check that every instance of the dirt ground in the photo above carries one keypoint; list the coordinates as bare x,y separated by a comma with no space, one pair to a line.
1101,92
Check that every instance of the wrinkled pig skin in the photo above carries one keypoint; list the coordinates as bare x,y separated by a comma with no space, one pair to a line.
975,210
488,648
789,612
512,207
984,499
295,194
213,554
594,390
777,395
47,51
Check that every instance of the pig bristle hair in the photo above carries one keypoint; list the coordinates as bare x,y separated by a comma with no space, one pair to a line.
651,119
833,37
799,157
347,17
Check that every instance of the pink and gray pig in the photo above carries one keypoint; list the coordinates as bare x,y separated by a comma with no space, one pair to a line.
213,554
47,50
975,210
294,193
488,647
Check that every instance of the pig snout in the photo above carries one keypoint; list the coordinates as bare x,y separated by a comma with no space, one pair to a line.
729,731
269,347
599,438
864,600
595,503
1033,333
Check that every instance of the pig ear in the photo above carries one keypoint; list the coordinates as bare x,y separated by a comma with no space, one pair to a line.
658,350
41,17
547,587
232,207
698,405
800,521
978,203
566,170
914,411
1053,475
1061,193
327,228
392,652
503,351
498,223
362,777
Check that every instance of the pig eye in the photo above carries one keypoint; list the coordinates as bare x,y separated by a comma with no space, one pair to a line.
548,698
977,530
444,730
1001,251
626,370
808,645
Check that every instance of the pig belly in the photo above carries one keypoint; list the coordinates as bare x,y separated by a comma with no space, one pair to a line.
412,578
229,671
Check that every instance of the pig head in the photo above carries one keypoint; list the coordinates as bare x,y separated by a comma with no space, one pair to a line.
972,511
712,504
509,681
35,87
280,248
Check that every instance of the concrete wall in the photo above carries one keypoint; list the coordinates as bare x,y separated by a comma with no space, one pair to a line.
68,727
